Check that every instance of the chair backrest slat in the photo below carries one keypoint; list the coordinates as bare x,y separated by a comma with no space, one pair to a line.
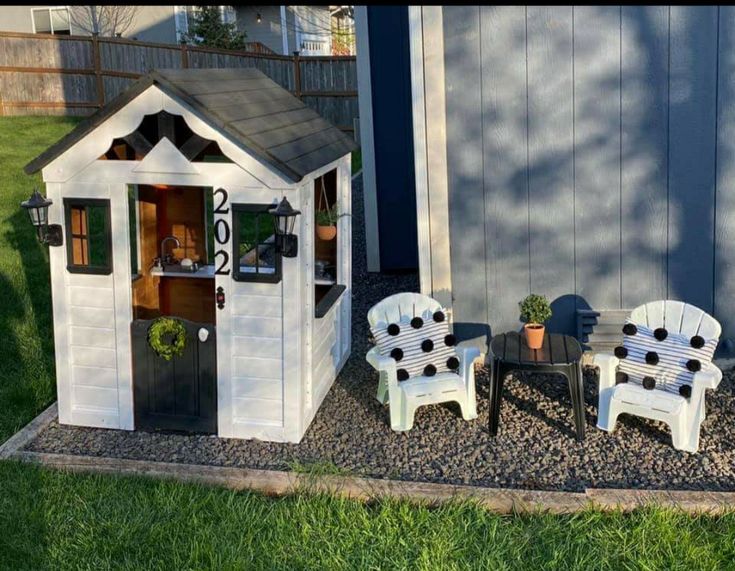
407,304
677,317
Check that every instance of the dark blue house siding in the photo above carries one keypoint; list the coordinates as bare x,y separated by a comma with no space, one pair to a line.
590,158
393,133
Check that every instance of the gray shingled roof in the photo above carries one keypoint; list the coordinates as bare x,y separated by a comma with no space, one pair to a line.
261,116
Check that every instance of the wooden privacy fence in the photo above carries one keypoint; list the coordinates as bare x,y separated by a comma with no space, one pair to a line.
45,74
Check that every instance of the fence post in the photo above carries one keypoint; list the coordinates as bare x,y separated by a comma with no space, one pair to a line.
184,55
297,74
99,82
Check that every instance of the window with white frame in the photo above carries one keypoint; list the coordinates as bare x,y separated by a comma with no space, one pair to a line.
184,16
51,20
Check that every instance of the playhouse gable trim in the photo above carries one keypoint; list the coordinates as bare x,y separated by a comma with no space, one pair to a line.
165,158
85,151
246,107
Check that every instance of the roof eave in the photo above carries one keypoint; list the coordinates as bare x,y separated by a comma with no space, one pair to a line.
87,126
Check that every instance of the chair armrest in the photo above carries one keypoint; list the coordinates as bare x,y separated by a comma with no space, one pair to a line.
707,378
467,358
380,362
608,364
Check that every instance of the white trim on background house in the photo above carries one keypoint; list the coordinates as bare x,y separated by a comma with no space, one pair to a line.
181,21
429,116
284,30
367,139
418,105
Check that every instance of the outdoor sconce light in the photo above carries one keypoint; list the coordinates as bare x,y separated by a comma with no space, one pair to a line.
37,207
258,18
284,219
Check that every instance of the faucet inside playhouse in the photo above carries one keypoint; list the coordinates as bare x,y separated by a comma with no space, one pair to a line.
171,236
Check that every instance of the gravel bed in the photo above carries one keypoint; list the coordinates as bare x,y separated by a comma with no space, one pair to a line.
535,448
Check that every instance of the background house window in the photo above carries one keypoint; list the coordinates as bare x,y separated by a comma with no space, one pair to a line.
51,21
88,237
254,247
184,17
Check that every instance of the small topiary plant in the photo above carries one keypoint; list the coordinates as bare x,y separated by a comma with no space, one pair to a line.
535,309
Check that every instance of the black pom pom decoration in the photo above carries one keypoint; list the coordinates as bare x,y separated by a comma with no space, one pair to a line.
429,370
452,363
685,391
694,365
393,329
649,383
630,329
697,341
621,352
427,345
439,316
621,377
402,374
652,358
397,353
450,340
660,334
417,323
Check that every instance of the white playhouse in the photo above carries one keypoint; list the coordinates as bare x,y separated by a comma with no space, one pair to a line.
194,196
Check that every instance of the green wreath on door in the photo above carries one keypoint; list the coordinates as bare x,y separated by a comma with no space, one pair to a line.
163,328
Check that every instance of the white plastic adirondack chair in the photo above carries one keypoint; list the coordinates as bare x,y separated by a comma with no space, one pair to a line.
684,416
405,397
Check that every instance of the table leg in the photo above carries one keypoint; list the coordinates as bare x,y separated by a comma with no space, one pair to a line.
576,390
496,395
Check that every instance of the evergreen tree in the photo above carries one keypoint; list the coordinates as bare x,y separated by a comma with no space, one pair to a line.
206,28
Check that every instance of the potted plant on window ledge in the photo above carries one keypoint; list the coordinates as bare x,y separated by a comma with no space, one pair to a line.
535,311
326,223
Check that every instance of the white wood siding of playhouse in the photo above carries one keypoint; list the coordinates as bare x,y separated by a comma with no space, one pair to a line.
92,316
257,354
328,338
252,397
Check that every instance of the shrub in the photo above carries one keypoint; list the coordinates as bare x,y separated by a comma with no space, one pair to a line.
535,309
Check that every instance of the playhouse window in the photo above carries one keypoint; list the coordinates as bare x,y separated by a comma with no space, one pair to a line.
88,239
255,258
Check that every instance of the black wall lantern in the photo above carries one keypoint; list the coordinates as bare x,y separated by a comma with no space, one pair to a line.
284,219
37,207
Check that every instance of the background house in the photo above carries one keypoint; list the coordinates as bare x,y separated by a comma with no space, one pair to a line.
312,30
582,153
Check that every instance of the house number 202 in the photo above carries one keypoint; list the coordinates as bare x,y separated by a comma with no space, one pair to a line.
221,233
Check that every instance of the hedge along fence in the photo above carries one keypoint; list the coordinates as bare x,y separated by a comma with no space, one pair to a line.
43,74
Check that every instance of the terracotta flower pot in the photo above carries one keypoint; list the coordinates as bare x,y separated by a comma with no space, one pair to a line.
326,233
534,335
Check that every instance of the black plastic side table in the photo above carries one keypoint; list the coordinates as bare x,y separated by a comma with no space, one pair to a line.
559,354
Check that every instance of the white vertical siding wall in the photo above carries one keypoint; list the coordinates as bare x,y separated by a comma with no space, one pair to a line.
92,315
257,354
252,331
329,337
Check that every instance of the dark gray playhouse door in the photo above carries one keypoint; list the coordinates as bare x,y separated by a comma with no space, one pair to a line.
180,394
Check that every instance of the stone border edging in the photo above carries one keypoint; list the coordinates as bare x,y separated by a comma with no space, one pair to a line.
28,432
277,483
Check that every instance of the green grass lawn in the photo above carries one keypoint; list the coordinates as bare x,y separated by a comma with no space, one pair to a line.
56,520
